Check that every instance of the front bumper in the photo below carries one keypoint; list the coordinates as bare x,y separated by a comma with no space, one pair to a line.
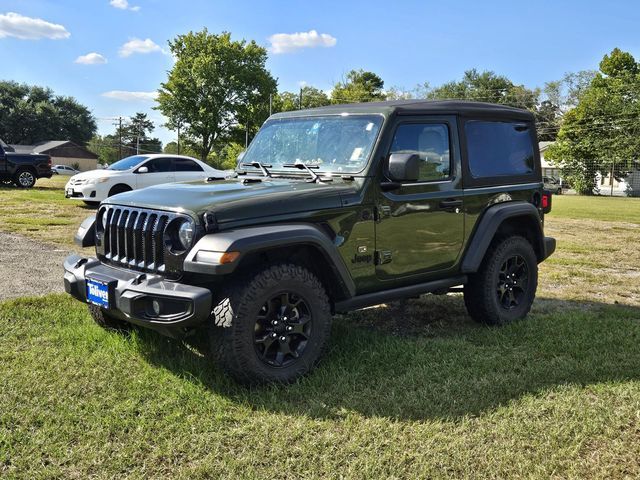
182,306
87,193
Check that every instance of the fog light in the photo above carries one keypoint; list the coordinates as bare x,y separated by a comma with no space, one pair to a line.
156,306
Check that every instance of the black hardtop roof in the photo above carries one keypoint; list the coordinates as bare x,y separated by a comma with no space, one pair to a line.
418,107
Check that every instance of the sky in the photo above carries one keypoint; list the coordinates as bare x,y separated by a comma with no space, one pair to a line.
112,55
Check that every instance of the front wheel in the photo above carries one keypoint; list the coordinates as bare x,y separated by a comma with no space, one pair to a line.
505,286
273,326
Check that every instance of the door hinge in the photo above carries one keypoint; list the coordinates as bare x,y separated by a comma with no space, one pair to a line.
383,256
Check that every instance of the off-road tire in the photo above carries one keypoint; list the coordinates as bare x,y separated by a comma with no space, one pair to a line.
24,178
106,321
233,323
481,293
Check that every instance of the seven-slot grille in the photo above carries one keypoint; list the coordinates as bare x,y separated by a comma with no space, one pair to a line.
134,236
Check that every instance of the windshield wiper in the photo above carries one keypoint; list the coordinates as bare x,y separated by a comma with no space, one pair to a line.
309,168
260,165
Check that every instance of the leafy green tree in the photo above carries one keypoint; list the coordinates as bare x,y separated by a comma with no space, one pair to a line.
312,97
135,135
487,87
106,147
172,148
214,85
32,114
600,133
358,86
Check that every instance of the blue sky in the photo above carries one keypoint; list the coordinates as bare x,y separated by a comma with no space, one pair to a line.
405,42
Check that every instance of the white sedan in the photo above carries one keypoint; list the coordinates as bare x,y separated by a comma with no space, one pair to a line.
64,170
136,172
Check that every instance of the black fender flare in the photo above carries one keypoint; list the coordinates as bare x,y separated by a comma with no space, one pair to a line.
86,234
255,239
488,225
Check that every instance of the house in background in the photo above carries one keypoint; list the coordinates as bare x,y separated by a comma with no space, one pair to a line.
548,170
63,152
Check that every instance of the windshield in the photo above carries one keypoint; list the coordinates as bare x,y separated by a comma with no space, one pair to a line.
127,163
339,144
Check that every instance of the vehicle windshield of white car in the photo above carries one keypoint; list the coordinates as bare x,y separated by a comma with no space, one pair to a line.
128,163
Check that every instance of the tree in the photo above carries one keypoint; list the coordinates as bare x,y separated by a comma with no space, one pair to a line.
32,114
106,147
358,86
599,134
135,135
214,85
172,148
311,97
487,87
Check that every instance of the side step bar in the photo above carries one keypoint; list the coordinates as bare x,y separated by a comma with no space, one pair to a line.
376,298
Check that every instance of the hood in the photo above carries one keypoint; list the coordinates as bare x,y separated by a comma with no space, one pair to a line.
233,200
91,174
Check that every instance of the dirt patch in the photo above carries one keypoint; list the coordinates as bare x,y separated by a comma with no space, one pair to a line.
29,267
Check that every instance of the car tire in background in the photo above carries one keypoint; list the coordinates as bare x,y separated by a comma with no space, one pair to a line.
24,178
119,188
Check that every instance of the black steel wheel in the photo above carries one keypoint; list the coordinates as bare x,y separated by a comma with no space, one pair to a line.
272,325
282,330
504,287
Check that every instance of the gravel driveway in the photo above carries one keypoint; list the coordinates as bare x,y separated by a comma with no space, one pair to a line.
28,267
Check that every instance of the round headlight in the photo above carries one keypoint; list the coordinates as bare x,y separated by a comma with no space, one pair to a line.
185,233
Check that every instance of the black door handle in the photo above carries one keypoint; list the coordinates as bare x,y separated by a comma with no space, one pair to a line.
449,204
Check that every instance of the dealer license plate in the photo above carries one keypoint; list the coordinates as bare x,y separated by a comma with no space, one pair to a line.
97,292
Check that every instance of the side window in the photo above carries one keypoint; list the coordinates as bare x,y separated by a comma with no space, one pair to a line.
186,165
159,165
498,148
431,142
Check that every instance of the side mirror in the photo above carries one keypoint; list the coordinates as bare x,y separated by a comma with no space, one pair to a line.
404,167
142,170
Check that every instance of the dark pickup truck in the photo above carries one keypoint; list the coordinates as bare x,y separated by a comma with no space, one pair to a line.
22,169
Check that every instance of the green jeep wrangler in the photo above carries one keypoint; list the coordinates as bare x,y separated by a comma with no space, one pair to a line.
331,210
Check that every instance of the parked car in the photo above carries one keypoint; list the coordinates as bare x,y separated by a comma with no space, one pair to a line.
138,171
552,184
22,169
64,170
334,209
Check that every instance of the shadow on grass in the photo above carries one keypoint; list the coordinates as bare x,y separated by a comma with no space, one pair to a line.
425,359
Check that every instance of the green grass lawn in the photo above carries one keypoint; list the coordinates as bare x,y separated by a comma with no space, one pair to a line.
408,390
557,395
601,208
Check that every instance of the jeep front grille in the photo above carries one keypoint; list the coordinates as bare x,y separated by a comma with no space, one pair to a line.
133,237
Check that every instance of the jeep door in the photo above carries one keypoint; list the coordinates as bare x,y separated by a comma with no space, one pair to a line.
420,227
160,170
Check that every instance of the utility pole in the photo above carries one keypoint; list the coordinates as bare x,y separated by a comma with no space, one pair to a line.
178,139
120,138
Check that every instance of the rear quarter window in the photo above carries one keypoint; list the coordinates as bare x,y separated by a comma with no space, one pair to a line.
496,149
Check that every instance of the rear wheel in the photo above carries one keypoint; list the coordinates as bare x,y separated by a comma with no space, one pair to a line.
106,321
505,286
272,326
24,178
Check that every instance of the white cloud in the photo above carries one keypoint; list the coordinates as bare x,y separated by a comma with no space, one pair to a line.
92,58
123,5
135,45
27,28
126,96
290,42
